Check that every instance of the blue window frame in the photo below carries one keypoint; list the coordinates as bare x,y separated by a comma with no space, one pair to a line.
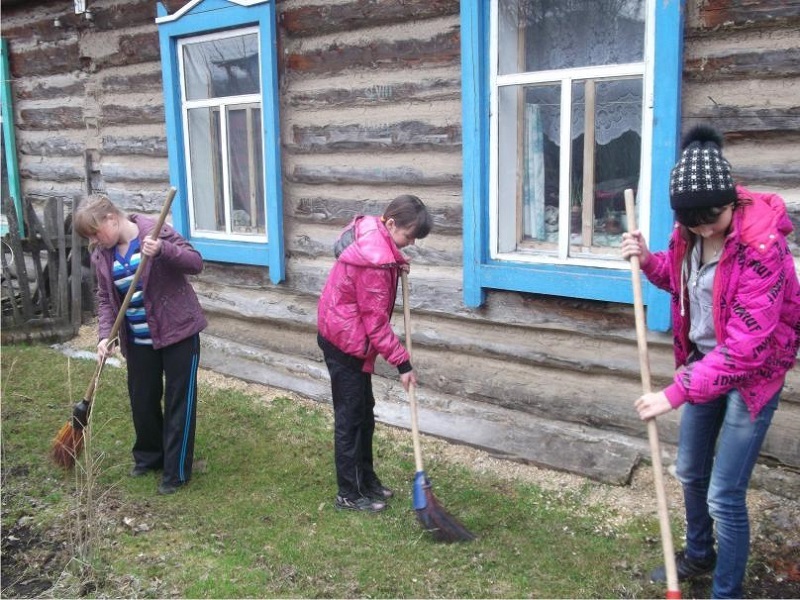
501,252
219,70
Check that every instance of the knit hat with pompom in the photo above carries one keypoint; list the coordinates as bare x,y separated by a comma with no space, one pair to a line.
702,177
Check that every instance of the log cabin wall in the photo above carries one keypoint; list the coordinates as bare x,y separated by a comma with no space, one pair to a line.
370,103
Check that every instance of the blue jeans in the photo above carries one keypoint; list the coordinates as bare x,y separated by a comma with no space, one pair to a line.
717,450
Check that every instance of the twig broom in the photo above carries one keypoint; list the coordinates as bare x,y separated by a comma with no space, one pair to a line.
435,519
68,443
673,589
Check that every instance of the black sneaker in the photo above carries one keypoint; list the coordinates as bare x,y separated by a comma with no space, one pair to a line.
139,471
379,492
165,489
362,504
686,568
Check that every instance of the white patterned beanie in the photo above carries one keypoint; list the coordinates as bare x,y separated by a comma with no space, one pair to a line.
702,177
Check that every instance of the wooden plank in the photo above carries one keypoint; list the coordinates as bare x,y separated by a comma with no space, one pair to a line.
37,238
749,13
54,226
63,277
428,90
48,89
132,145
402,176
10,294
44,59
447,219
52,145
737,122
764,64
136,82
50,170
130,14
51,119
132,171
587,216
441,49
115,114
133,49
322,19
20,270
398,137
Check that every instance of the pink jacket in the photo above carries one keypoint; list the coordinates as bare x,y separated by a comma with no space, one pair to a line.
756,307
358,298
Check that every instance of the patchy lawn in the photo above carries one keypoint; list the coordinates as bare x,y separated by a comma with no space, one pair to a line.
258,519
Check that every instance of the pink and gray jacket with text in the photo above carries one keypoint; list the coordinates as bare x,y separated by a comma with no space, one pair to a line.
357,301
756,307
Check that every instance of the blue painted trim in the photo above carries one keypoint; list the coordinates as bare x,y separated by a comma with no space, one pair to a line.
9,137
589,283
474,144
481,273
241,253
207,17
668,65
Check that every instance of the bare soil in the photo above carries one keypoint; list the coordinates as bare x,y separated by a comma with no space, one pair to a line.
33,563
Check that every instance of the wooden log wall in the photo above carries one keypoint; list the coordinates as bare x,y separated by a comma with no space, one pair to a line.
370,103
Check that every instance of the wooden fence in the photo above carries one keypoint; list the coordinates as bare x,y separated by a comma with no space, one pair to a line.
41,299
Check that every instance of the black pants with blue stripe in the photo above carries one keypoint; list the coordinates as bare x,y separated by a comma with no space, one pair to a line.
164,435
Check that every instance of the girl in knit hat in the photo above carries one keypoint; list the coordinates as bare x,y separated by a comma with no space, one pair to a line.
736,325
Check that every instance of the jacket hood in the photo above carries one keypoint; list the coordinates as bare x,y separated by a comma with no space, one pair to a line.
766,217
372,245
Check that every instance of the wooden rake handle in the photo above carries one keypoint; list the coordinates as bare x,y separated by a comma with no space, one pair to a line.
412,394
673,589
162,218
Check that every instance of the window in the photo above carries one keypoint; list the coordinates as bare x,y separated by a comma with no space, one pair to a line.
221,96
563,122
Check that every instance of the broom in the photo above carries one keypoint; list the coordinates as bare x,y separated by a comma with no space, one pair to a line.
68,443
435,519
673,589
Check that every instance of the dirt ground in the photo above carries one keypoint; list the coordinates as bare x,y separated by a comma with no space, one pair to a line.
32,563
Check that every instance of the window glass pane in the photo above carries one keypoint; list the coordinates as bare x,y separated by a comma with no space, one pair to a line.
246,176
606,153
541,35
222,67
206,169
528,164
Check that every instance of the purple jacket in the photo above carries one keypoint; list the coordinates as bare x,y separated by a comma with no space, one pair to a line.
173,310
356,304
756,307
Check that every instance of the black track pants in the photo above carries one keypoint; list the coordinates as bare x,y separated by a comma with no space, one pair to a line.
164,437
354,421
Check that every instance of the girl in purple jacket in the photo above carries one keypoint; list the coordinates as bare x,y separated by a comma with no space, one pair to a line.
353,320
736,325
160,337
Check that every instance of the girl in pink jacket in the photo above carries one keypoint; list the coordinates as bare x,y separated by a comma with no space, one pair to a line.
353,321
736,324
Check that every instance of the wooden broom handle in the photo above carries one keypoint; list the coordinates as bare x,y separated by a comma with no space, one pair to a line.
412,394
652,429
162,218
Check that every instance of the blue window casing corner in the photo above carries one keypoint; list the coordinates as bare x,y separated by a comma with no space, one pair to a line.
481,272
207,17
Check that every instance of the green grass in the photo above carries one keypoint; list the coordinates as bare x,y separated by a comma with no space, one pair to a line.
257,520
